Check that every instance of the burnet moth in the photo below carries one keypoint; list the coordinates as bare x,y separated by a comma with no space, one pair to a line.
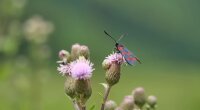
128,55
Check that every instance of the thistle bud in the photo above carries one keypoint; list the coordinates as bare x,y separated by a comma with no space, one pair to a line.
152,101
139,97
113,74
64,56
128,103
110,105
69,86
106,64
75,51
112,64
83,90
84,51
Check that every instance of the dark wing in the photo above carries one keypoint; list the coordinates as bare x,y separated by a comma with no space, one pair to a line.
128,55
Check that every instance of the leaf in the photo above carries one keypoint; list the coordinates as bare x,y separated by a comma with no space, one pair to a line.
100,94
92,108
104,85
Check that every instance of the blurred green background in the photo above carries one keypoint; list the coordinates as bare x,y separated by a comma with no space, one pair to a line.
165,35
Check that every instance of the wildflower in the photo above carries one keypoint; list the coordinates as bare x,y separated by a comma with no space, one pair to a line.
81,68
116,57
112,64
63,69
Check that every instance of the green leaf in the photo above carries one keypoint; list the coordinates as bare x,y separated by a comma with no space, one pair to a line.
104,85
100,94
92,108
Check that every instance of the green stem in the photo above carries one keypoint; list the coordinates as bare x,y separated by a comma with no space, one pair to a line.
105,97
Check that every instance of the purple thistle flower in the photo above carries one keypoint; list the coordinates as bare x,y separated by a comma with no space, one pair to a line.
63,69
116,57
81,68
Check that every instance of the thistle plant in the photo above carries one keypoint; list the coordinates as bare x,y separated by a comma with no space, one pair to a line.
76,67
112,65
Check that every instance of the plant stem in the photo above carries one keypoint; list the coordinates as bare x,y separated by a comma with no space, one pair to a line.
105,97
76,107
83,108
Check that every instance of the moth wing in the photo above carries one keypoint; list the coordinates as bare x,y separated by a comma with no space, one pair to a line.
129,56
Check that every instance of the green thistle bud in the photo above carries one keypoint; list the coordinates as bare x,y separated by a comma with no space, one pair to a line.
110,105
139,97
84,51
75,51
152,101
83,90
69,86
128,103
113,74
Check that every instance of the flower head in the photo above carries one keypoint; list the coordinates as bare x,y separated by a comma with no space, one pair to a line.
128,103
116,57
63,69
139,96
63,54
152,100
81,68
110,105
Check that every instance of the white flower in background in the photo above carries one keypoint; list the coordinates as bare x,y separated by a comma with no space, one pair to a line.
37,29
19,3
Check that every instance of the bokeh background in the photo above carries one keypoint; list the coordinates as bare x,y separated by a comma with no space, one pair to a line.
165,35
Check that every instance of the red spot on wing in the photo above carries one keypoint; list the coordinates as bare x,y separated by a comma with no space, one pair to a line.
120,48
126,53
131,58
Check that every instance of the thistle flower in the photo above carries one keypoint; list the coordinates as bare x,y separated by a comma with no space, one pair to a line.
112,64
81,68
63,69
116,57
139,96
127,103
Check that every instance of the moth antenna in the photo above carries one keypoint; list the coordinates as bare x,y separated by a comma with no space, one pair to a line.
120,38
110,36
